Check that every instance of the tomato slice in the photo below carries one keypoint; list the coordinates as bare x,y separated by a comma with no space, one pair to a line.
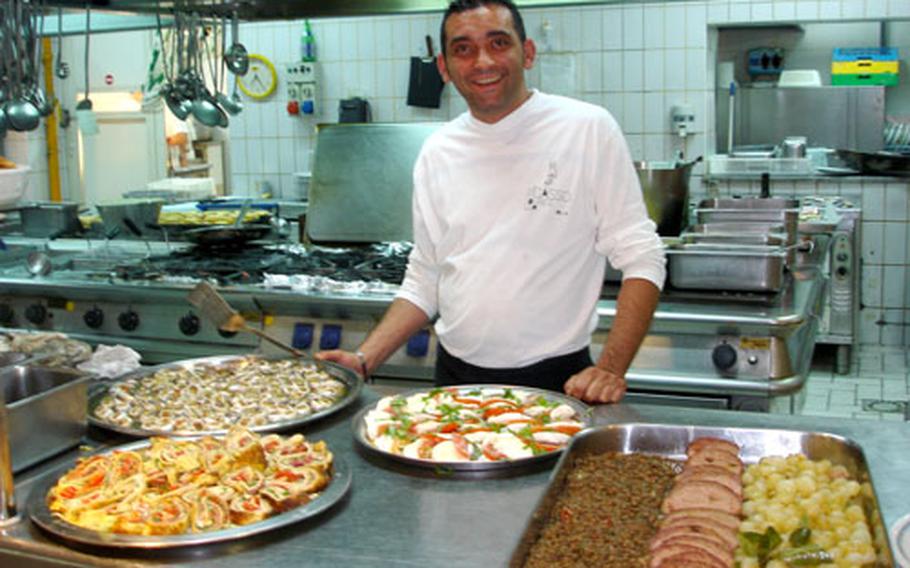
465,400
563,429
490,412
449,427
492,454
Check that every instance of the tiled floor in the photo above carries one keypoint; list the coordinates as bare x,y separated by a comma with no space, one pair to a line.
876,388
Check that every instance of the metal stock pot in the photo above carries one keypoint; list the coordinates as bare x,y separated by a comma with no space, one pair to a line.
665,186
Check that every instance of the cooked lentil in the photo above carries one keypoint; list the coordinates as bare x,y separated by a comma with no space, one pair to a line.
606,514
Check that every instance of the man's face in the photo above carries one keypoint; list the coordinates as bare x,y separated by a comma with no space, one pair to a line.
486,60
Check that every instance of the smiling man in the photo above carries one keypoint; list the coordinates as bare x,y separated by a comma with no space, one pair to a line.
517,205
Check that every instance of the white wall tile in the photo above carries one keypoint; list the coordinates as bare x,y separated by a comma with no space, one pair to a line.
898,8
612,27
806,10
696,69
633,113
895,243
570,30
895,281
873,250
893,330
675,26
785,11
696,26
740,13
591,71
366,39
613,102
873,202
591,30
633,72
654,27
612,71
829,9
675,70
654,147
636,146
655,119
896,201
385,74
870,333
633,27
718,12
762,12
252,113
876,8
399,35
287,160
852,9
871,285
254,157
654,70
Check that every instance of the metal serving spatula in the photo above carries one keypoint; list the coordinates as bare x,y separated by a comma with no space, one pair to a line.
216,309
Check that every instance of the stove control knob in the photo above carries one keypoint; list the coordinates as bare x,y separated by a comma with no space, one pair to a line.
6,314
128,321
724,357
36,313
189,324
94,318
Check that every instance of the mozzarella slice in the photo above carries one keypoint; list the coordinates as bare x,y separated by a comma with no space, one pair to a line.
562,412
553,438
446,451
507,418
510,446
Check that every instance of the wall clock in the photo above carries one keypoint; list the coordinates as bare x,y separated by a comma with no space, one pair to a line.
261,79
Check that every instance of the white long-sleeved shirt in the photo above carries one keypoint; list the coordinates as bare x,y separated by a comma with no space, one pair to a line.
513,223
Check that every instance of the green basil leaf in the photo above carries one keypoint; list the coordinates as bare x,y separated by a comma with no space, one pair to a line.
800,537
750,542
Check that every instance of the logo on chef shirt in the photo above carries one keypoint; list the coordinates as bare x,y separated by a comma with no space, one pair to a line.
547,196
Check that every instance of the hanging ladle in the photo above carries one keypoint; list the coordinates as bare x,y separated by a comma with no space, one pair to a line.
236,57
86,103
20,113
232,103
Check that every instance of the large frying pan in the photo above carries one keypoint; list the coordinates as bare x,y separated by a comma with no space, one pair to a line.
876,163
226,235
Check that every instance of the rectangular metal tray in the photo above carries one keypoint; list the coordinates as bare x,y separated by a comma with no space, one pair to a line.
46,411
670,441
739,268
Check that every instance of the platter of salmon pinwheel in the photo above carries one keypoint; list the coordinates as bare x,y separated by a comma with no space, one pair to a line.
175,492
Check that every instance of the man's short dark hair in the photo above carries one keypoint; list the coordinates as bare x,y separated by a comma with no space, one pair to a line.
458,6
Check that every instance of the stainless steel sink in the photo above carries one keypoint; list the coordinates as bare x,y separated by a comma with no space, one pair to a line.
46,411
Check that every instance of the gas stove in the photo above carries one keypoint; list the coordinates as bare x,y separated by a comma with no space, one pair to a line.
253,264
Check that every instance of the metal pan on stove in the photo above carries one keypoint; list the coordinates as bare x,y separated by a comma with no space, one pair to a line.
351,380
226,235
470,468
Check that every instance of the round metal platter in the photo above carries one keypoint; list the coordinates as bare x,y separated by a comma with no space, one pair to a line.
42,516
583,412
348,377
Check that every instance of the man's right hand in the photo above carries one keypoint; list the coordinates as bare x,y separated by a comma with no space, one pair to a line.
344,358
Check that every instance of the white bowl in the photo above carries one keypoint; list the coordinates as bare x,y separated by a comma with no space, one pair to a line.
12,184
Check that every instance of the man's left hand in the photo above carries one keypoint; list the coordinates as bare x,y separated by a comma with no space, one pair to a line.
595,385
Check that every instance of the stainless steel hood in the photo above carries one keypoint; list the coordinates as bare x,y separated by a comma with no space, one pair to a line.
292,9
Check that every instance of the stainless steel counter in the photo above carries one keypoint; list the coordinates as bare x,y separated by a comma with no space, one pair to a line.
403,518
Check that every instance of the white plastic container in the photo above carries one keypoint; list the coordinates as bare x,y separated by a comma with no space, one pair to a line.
12,184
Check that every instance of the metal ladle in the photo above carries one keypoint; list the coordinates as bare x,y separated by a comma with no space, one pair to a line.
236,57
232,104
86,103
21,114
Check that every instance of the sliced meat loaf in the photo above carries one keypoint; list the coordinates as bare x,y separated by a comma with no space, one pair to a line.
716,457
702,494
712,547
700,444
726,520
713,473
722,537
678,552
702,525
